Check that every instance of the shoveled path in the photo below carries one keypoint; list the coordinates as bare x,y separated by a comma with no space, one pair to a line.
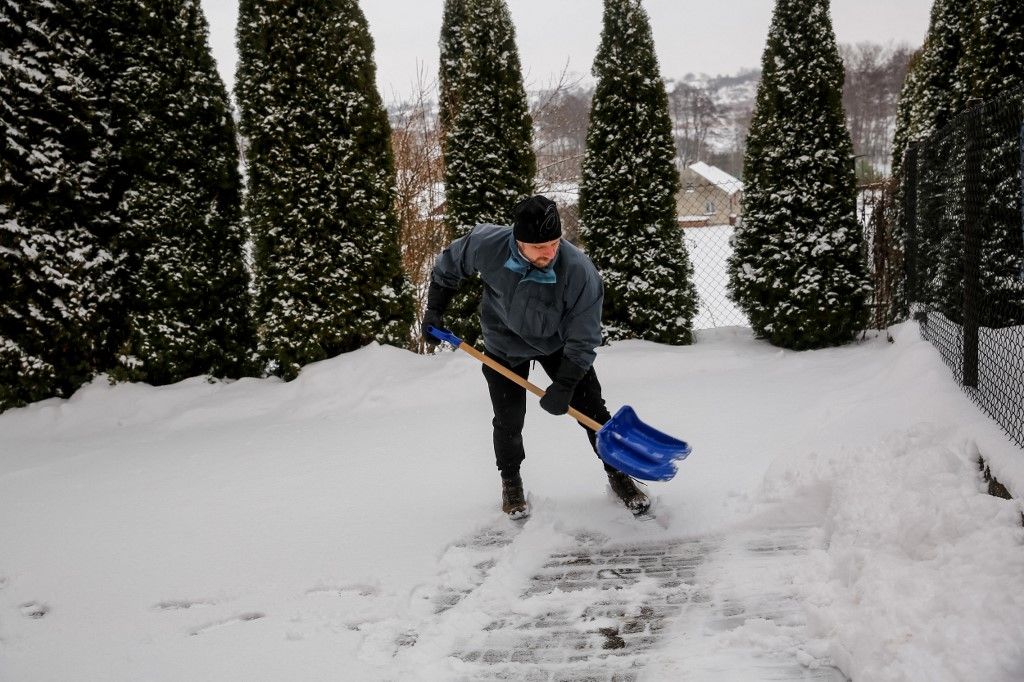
719,608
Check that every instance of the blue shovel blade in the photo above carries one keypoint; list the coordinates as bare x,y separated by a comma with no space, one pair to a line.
444,335
637,449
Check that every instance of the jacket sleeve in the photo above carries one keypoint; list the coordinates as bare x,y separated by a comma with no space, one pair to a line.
457,262
583,322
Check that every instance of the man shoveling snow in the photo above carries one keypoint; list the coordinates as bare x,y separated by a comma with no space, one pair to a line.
542,302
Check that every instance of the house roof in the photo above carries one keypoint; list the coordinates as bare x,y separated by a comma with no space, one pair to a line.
718,177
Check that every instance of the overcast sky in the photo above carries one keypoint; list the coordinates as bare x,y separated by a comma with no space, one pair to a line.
717,37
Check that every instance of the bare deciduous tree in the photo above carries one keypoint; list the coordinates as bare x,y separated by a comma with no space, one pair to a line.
561,113
874,76
419,198
695,114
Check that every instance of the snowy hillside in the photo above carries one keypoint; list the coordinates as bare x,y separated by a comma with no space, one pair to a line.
732,91
830,523
733,96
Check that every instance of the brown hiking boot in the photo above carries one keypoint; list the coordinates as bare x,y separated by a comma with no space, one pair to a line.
625,488
513,502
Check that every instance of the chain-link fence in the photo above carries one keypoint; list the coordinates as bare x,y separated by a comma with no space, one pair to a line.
709,208
710,211
963,221
707,212
881,252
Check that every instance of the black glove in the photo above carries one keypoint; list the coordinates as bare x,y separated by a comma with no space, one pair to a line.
432,318
438,298
556,398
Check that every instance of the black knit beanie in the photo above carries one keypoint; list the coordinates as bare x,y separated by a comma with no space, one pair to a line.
536,221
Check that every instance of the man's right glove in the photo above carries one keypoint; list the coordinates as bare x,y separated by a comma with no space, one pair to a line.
558,395
438,298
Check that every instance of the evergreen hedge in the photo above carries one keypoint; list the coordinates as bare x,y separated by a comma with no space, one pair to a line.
797,270
185,305
628,188
55,211
489,164
320,206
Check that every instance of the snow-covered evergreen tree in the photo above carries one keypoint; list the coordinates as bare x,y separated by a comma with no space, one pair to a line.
320,204
934,93
942,93
185,302
904,134
54,200
993,61
488,149
628,188
993,67
797,269
453,51
906,130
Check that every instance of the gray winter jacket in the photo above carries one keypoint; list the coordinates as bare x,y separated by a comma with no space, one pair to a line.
526,311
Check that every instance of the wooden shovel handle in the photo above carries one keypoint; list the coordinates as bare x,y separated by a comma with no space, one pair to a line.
505,371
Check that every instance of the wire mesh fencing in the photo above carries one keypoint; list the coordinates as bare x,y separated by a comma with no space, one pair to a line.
707,213
963,221
708,208
881,252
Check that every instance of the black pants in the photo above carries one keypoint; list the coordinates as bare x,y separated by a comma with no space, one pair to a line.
509,402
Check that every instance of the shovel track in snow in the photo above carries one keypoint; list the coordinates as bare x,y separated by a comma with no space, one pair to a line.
608,606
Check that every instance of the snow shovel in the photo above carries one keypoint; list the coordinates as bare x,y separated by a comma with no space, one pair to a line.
625,442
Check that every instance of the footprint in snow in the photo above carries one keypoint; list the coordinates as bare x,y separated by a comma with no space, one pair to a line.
241,618
182,604
359,589
34,609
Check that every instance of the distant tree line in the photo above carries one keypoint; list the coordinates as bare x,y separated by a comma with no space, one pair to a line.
711,115
871,88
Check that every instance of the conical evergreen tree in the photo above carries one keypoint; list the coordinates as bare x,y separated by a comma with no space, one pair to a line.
935,91
186,302
907,130
905,134
320,205
488,149
993,60
54,200
628,188
797,269
453,51
993,66
942,92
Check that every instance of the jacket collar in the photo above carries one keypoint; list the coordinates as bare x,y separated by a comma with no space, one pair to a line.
517,262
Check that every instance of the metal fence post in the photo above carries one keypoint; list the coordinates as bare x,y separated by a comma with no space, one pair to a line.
1021,273
972,229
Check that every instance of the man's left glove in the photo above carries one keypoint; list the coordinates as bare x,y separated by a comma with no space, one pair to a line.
558,395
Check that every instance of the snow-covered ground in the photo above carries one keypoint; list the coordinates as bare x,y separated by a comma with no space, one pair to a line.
345,526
